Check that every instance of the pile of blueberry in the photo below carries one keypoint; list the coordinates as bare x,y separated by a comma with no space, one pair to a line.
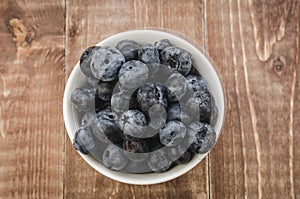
145,107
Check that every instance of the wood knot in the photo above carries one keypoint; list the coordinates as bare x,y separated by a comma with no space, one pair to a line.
22,36
73,29
278,65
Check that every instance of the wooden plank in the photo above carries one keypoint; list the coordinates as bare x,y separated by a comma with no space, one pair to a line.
257,155
31,90
88,23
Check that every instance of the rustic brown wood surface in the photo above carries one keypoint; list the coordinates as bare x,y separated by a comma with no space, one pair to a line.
254,45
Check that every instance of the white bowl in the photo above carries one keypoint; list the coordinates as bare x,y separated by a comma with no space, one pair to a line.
202,64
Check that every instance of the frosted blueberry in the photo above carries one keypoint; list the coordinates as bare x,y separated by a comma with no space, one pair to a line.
135,150
88,118
83,98
177,84
104,90
177,58
179,112
133,74
83,140
132,123
150,54
85,61
104,126
162,44
197,83
130,49
114,158
158,161
149,94
201,136
106,62
172,133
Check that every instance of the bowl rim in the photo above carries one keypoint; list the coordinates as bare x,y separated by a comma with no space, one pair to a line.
138,179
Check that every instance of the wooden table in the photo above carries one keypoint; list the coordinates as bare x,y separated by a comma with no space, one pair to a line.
254,44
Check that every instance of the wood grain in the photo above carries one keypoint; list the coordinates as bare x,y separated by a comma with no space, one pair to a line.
256,156
31,88
255,48
88,28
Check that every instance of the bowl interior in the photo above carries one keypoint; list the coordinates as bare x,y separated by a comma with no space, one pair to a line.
202,64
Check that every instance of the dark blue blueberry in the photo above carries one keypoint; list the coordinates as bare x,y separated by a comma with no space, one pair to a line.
104,126
106,62
85,61
83,99
133,74
153,70
158,161
83,140
162,44
150,94
177,58
114,158
92,81
179,154
201,136
100,104
135,150
120,102
172,133
178,85
150,54
158,116
130,49
104,90
202,102
180,113
197,83
132,123
184,158
88,118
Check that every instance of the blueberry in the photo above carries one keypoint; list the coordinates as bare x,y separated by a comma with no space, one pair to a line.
178,85
104,126
158,117
162,44
120,102
88,118
201,101
158,161
177,58
179,154
92,81
132,123
85,61
149,94
172,133
134,150
133,74
104,90
180,113
150,54
184,158
100,104
83,140
83,98
201,136
106,62
153,70
130,49
114,158
197,83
